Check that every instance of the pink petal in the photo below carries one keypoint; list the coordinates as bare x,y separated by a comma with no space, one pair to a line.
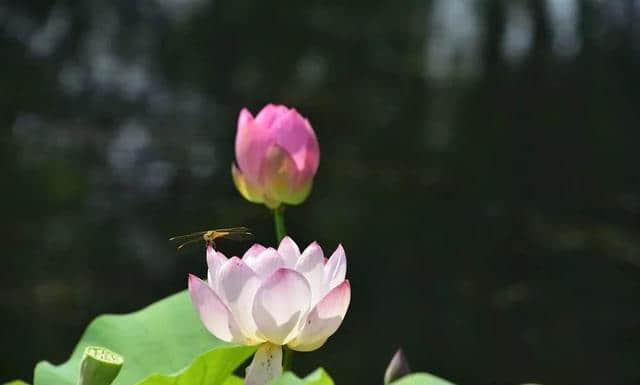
214,314
270,113
280,178
278,175
289,251
336,268
280,303
265,366
311,161
311,265
244,117
293,133
252,141
237,285
265,263
253,252
324,319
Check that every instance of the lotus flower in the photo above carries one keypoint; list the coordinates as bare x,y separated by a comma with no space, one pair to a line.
273,298
277,155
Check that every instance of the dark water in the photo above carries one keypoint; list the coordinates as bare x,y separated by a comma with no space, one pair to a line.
479,164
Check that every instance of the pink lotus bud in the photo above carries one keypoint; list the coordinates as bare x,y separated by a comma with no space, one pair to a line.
277,155
273,298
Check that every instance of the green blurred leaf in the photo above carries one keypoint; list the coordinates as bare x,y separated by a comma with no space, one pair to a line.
318,377
211,368
421,379
164,337
288,378
20,382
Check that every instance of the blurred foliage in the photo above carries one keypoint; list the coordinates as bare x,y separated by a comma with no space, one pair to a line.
479,164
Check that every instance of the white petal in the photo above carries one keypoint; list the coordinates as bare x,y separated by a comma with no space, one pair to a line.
311,265
215,260
336,268
289,251
237,286
266,365
280,303
265,263
324,319
253,252
214,314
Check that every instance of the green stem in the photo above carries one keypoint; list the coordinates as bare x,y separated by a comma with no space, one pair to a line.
278,217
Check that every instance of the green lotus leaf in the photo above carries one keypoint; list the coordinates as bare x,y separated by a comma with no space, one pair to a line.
421,379
164,343
211,368
318,377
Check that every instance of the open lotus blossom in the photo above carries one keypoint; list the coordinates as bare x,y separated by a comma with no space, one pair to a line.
277,156
273,298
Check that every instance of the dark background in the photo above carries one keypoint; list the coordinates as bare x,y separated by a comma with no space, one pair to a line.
479,164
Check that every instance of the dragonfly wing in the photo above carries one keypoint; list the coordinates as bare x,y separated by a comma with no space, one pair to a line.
237,236
199,234
188,243
240,229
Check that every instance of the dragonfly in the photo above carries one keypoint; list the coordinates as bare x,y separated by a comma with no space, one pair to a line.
209,236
